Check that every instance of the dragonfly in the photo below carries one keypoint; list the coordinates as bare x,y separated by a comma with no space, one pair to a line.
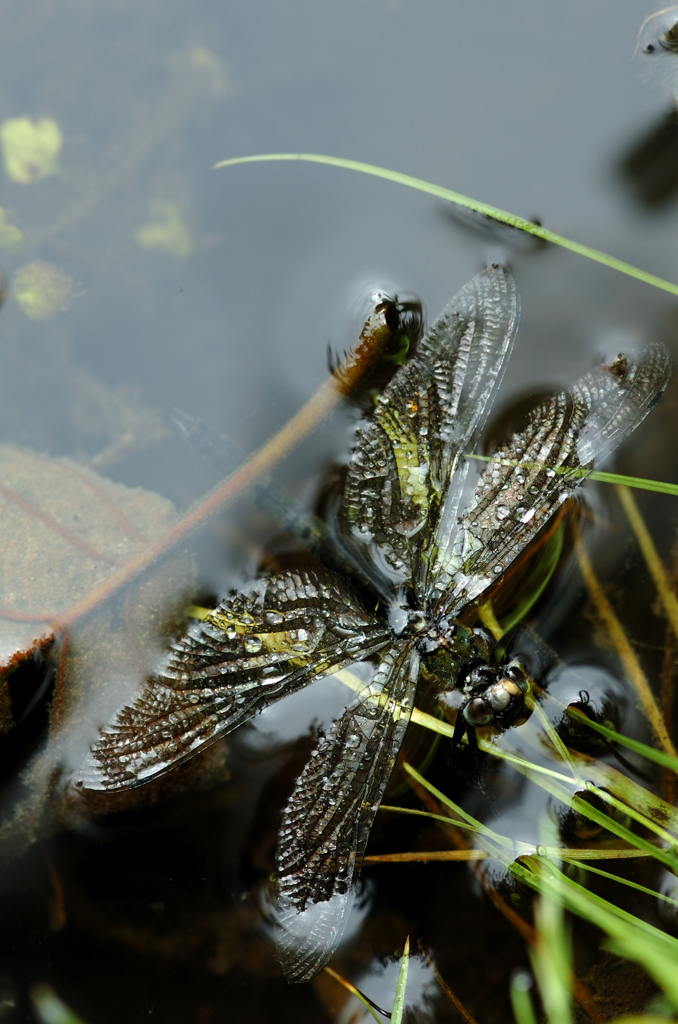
404,506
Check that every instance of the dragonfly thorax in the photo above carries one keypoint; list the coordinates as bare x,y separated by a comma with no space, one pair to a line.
494,695
404,620
431,632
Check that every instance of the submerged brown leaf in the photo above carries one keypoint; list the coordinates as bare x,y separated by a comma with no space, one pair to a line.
64,531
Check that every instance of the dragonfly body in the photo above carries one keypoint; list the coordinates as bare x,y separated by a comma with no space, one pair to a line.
401,511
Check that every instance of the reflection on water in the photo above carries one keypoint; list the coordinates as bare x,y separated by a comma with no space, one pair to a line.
659,33
650,166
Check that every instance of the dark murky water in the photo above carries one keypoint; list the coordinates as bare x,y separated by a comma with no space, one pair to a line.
217,292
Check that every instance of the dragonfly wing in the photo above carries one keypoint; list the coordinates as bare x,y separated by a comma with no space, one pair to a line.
409,452
253,649
539,468
328,818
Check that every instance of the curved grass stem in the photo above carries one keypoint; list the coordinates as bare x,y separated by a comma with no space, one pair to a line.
624,650
649,552
461,200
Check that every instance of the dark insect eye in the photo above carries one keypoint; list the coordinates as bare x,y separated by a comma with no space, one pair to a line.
478,711
515,672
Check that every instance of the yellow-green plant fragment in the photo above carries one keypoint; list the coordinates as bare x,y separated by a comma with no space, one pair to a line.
11,237
30,148
167,232
203,69
212,66
49,1008
41,289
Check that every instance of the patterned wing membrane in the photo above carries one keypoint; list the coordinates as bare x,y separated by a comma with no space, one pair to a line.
327,821
408,452
253,649
539,468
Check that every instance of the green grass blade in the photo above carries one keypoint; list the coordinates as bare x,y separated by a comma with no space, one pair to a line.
401,984
546,877
631,936
584,808
460,200
354,991
481,830
628,883
551,732
523,1010
654,812
556,783
658,756
552,958
549,781
639,482
446,820
537,581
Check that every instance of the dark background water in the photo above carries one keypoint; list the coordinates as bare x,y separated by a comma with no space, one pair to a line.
535,108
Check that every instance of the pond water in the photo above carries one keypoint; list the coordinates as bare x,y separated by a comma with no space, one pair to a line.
217,292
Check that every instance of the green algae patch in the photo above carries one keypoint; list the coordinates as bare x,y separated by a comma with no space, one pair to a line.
212,66
41,289
30,148
204,66
11,237
167,232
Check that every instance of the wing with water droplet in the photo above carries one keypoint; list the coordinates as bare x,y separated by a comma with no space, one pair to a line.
328,818
539,468
253,649
408,459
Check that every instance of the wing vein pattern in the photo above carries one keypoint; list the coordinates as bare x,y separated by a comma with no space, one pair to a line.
539,469
253,649
327,820
407,466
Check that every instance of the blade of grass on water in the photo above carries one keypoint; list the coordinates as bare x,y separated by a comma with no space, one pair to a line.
551,958
638,482
401,984
632,937
630,885
481,830
552,783
521,1001
460,200
558,746
354,991
651,556
648,805
626,654
658,756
